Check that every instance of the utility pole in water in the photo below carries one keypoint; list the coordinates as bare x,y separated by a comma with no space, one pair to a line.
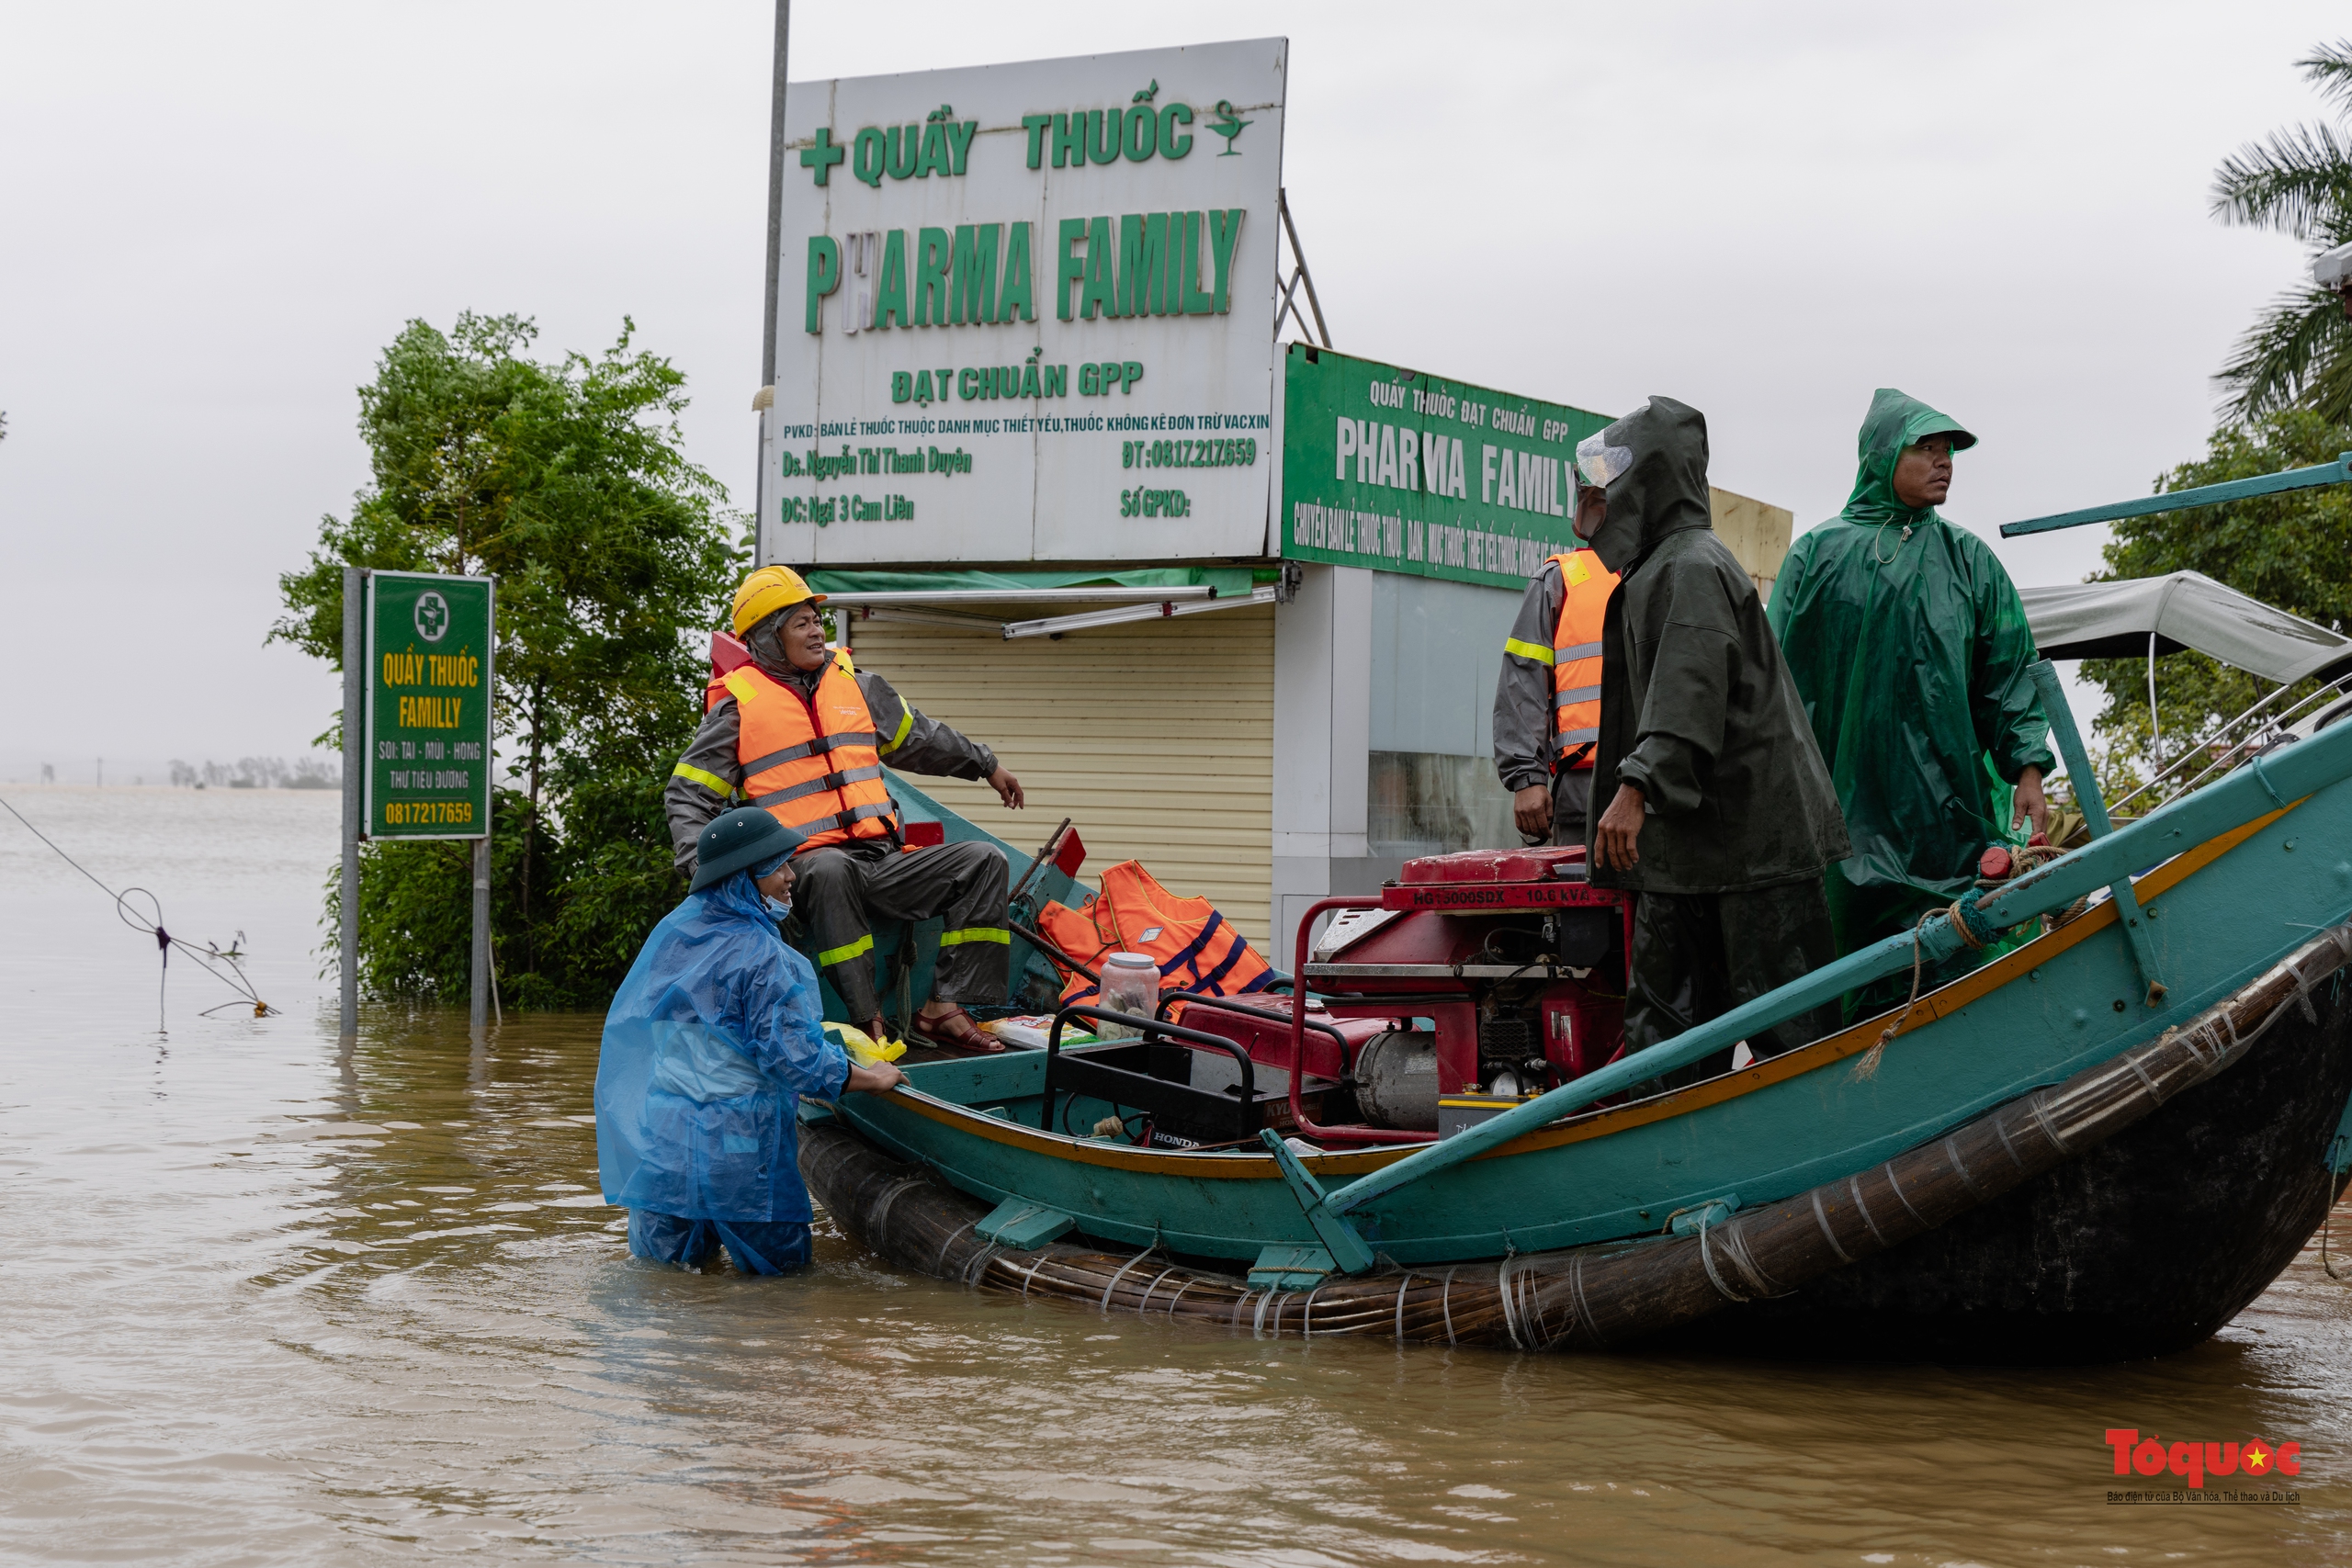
776,244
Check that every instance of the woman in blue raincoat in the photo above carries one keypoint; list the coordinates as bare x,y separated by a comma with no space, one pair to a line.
709,1044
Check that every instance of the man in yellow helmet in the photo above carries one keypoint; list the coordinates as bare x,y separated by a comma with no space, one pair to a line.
803,733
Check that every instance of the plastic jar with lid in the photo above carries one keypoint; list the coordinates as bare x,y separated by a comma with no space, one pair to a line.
1130,984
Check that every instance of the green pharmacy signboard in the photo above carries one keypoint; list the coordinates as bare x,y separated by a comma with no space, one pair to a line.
1400,472
999,284
428,705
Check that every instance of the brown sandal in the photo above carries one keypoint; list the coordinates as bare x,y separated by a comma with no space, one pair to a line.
941,1033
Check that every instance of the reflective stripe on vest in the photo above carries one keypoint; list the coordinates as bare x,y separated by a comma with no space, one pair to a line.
829,781
1585,587
812,764
816,748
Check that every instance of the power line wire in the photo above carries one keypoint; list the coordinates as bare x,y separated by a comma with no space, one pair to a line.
165,941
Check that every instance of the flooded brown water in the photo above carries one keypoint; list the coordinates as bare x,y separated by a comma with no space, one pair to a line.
264,1299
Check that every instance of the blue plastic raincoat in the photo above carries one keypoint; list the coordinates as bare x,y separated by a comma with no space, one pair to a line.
709,1041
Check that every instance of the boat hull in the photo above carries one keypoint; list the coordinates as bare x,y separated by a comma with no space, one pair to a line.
2007,1239
2221,912
1990,1093
2144,1244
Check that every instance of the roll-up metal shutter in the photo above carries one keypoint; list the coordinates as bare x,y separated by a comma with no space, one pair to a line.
1157,738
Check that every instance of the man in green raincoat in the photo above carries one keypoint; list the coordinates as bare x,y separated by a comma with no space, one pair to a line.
1910,646
1719,809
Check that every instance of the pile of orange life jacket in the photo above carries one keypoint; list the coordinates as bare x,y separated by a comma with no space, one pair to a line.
1195,949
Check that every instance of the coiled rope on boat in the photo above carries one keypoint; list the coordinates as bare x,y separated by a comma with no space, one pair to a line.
1610,1293
1965,920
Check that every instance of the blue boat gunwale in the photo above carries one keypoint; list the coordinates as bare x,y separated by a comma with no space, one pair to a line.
1251,1165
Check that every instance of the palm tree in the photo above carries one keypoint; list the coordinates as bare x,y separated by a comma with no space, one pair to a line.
2299,352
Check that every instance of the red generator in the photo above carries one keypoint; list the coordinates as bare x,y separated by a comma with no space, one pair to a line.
1471,982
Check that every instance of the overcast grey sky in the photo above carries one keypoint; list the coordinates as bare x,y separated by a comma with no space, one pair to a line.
215,217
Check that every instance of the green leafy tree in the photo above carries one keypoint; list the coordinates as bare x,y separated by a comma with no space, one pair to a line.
2299,183
566,480
2292,549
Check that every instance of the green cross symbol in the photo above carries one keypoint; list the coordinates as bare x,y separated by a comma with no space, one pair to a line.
822,157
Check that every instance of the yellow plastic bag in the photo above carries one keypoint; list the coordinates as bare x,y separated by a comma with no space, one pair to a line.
863,1051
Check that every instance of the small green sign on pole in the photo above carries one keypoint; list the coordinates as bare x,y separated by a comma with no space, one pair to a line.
428,705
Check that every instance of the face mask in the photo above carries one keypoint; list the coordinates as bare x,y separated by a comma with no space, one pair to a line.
778,909
1576,521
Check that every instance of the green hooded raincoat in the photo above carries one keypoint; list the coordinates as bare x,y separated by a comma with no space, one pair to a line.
1910,646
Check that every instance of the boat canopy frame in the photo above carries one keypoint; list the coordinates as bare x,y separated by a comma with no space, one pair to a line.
2186,610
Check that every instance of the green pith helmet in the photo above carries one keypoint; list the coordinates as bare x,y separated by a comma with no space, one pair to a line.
737,839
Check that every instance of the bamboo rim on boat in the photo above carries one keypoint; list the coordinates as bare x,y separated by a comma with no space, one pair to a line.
1598,1297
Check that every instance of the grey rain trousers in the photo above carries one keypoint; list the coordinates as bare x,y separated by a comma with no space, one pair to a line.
1571,805
839,894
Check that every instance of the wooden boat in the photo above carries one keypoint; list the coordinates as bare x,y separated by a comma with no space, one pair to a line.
2153,1223
2101,1144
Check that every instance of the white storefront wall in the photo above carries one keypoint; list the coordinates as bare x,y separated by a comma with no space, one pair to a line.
1381,680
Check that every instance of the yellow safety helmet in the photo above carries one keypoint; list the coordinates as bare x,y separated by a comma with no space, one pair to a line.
766,591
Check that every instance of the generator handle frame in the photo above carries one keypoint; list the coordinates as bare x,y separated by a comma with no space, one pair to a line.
1298,1027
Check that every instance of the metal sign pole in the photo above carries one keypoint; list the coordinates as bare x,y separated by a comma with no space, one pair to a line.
354,748
480,975
482,931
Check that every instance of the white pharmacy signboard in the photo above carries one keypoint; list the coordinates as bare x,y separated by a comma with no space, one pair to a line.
1026,312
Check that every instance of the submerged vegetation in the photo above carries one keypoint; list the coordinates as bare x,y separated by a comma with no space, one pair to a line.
565,480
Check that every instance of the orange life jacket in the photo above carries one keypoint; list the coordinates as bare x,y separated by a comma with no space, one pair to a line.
1196,950
1586,585
813,764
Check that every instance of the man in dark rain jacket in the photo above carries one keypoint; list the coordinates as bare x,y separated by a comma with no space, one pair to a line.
1720,809
1910,648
